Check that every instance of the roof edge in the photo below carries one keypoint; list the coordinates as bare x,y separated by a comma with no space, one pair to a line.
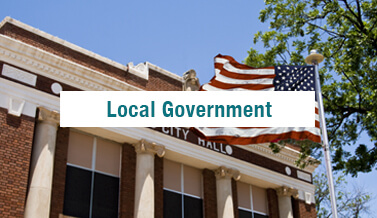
91,54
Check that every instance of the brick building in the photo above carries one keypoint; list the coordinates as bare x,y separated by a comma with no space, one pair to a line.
49,171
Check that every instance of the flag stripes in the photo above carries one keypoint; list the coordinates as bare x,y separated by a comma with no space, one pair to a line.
233,76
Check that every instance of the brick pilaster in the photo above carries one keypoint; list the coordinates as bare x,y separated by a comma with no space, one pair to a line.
16,139
60,167
158,187
301,209
210,196
235,198
273,204
127,181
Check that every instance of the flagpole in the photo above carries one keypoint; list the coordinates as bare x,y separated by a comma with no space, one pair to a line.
314,58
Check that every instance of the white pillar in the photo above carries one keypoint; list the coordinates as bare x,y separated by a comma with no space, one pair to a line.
284,198
42,165
144,188
224,177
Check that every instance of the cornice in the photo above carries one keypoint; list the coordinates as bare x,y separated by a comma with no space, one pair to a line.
62,42
286,155
52,66
141,74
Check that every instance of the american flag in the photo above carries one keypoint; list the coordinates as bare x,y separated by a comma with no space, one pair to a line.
233,76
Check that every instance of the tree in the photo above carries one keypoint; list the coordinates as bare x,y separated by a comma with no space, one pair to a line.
345,32
354,203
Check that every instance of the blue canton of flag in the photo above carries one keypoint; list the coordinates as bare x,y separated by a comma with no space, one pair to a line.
294,78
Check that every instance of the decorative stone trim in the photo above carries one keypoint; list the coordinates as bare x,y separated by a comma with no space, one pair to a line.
46,115
190,81
141,70
287,191
85,51
144,146
55,67
286,155
61,42
16,106
224,172
19,75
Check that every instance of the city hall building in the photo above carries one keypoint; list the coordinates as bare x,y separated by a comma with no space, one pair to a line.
50,171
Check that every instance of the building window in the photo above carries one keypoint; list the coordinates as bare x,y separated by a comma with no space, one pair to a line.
182,191
92,177
252,201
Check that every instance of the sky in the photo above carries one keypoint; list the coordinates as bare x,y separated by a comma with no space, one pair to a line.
175,35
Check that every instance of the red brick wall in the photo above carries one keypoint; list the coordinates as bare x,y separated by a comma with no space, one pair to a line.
273,204
209,192
60,166
301,209
158,187
127,181
235,198
16,138
156,81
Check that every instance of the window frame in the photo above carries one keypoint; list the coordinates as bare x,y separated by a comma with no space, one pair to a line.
182,186
252,211
93,170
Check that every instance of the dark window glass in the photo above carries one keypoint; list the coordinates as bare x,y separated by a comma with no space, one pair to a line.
256,215
193,207
105,196
77,192
244,214
172,204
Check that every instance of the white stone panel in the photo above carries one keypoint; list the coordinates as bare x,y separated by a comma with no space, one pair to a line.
19,75
304,176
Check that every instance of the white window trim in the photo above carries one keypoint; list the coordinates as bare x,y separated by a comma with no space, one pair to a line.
251,204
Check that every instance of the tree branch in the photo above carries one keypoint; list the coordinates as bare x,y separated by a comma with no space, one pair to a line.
359,24
326,30
344,116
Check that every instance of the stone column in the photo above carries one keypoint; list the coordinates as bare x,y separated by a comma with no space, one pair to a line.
224,191
284,198
144,188
42,165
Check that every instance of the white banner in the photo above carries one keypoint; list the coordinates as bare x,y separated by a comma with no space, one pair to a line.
187,109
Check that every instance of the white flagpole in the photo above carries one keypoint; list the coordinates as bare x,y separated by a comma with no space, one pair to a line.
314,58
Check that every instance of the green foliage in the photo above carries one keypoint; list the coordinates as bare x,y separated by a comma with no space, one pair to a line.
308,148
345,32
350,203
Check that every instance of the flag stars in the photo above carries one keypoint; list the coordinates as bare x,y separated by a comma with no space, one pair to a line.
294,78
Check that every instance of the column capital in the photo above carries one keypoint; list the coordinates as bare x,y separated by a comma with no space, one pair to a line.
287,191
143,146
46,115
226,173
